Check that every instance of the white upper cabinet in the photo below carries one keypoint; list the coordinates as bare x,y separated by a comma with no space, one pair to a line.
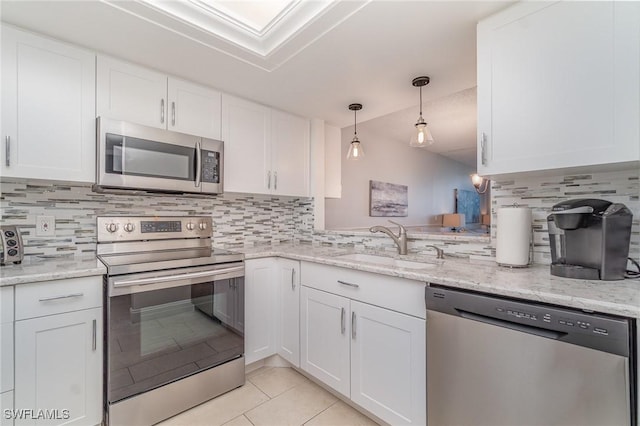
290,154
48,108
246,131
132,93
266,151
558,86
194,109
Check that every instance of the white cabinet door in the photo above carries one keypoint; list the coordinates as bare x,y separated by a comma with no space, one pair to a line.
325,334
194,109
48,109
59,366
558,86
246,132
288,326
260,309
388,364
6,403
131,93
290,154
6,339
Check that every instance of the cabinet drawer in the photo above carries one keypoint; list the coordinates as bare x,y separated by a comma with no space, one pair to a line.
6,305
54,297
398,294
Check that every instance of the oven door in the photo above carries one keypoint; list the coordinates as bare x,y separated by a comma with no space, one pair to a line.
164,326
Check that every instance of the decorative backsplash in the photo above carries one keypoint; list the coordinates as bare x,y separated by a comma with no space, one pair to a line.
241,219
238,218
542,192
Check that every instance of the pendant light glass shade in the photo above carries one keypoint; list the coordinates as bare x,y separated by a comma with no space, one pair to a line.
355,149
422,135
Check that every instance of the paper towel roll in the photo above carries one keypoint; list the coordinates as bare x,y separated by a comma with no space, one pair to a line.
513,236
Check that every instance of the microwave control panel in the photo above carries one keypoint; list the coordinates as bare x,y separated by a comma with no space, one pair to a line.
210,166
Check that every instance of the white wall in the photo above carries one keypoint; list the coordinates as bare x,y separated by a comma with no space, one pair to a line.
431,179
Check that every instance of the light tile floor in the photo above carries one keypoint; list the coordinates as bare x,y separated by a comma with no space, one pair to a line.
273,397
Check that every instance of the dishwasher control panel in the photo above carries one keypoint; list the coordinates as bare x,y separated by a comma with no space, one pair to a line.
598,331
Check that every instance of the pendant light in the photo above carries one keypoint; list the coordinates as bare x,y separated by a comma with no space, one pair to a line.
479,183
355,149
422,135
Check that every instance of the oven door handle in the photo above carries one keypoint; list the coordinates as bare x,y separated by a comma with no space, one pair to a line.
156,280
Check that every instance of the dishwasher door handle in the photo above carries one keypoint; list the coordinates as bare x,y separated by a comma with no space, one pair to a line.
529,329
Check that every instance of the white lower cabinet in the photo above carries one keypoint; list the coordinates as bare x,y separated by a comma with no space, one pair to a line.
324,338
6,408
373,355
260,309
288,326
388,364
59,352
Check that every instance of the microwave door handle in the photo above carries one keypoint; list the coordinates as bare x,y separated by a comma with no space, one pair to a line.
198,164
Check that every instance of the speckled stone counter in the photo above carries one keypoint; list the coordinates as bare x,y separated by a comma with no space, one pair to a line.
37,270
533,283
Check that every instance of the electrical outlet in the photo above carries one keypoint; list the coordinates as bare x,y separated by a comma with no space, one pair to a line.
45,226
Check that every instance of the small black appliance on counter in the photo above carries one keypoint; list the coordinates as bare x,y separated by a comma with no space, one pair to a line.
589,239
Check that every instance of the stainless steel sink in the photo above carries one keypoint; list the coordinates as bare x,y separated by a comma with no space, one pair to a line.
386,261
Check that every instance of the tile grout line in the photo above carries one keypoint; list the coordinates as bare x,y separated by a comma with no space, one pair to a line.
334,403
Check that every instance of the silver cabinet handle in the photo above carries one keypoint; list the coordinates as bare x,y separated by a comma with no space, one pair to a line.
342,324
483,148
7,151
162,111
95,337
198,164
275,180
66,296
349,284
353,325
293,283
269,179
173,113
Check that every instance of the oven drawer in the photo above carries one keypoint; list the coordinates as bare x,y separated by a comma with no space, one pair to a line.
55,297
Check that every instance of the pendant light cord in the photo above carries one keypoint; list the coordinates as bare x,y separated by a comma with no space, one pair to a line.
355,123
420,101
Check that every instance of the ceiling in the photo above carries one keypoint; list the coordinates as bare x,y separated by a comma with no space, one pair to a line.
312,58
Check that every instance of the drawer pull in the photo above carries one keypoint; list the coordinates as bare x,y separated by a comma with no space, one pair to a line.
342,323
349,284
66,296
353,325
95,337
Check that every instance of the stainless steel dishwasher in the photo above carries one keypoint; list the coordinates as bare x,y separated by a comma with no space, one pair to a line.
497,361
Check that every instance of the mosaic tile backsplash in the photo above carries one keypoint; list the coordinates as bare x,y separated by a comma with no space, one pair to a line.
542,192
239,219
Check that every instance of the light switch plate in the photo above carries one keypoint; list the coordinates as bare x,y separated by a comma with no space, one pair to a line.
45,226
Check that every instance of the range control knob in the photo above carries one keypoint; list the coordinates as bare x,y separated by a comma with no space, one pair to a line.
129,227
203,226
112,227
191,226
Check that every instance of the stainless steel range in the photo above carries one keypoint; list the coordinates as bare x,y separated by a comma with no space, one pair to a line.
174,312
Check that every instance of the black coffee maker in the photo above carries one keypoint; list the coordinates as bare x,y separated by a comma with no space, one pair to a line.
589,239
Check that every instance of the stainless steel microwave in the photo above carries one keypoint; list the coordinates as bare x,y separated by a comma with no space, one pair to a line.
135,157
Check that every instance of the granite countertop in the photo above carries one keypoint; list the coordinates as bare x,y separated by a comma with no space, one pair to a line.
47,269
534,283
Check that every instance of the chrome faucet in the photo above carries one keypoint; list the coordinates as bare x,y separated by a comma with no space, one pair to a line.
439,252
400,240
